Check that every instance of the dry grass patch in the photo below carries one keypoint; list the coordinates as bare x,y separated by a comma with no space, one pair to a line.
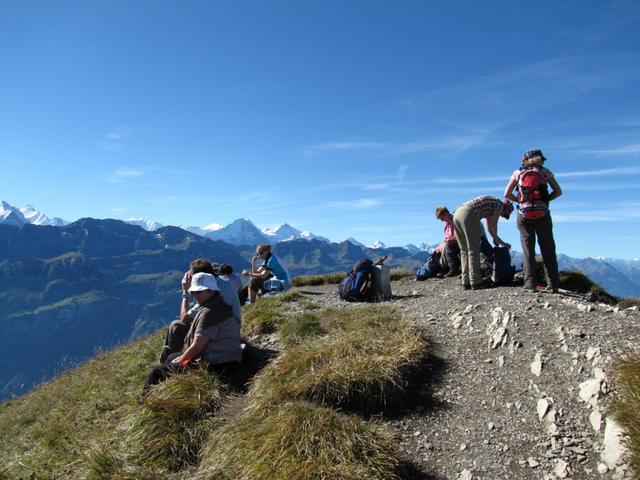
175,419
311,280
400,273
298,440
299,329
268,314
47,433
626,405
363,363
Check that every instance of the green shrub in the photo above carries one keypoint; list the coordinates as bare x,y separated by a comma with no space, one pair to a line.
354,366
302,441
300,328
626,405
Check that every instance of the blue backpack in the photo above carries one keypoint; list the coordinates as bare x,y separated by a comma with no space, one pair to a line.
503,271
429,268
357,285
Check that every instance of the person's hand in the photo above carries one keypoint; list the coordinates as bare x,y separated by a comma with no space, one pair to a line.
178,359
186,282
254,259
245,273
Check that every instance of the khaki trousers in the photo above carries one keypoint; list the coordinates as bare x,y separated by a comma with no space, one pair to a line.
468,233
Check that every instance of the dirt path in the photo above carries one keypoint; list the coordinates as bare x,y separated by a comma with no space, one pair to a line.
508,371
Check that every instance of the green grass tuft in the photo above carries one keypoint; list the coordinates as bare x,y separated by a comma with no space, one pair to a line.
268,314
302,441
363,363
300,328
311,280
626,405
170,429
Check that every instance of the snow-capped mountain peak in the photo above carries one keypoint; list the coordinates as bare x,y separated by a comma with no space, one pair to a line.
282,233
10,215
377,244
148,225
212,227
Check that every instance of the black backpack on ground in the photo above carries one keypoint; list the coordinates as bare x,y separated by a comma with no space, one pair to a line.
430,268
357,286
503,271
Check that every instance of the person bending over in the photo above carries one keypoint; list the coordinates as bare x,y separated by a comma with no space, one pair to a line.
466,221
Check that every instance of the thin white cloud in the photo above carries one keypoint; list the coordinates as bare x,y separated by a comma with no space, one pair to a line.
337,146
449,144
633,149
119,133
601,172
115,140
124,173
402,171
361,203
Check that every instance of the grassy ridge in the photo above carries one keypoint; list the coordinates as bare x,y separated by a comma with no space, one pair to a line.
626,405
50,432
88,423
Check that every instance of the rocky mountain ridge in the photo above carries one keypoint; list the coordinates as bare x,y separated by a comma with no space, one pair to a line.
520,382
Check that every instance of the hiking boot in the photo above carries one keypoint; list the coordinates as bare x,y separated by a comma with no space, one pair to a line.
466,287
440,275
453,273
531,289
482,286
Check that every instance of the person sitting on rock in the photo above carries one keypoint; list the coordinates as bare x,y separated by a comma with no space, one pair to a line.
466,221
179,328
213,338
449,248
271,268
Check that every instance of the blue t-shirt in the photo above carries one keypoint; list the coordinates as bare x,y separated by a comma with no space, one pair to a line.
275,266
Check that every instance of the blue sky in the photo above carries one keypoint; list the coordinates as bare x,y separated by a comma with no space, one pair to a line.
346,118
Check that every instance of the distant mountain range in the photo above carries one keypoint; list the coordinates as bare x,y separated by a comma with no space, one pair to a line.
67,291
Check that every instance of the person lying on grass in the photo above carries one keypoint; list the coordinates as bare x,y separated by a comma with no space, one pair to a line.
213,339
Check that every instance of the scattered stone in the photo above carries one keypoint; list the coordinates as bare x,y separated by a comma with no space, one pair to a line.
468,310
417,433
532,462
465,475
603,469
590,389
463,447
536,366
599,374
595,419
576,332
613,449
562,469
456,320
499,338
501,361
491,426
543,407
592,352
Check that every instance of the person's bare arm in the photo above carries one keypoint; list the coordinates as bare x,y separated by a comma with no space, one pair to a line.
492,227
195,349
556,190
184,304
508,192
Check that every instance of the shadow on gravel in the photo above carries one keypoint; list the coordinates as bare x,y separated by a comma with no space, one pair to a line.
418,395
408,470
308,292
254,359
401,297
